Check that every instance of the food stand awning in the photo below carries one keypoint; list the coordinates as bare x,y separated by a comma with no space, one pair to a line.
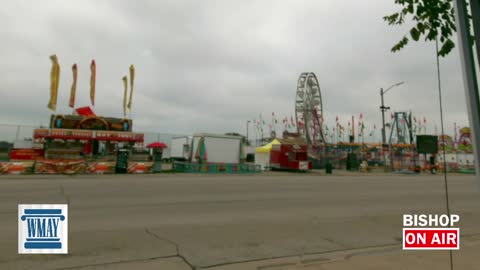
160,145
266,148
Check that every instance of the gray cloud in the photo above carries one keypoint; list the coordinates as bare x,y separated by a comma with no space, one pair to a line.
211,65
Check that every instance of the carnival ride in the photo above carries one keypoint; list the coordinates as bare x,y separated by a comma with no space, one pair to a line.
309,109
399,152
401,131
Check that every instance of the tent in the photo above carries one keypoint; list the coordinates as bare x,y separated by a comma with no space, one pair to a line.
262,154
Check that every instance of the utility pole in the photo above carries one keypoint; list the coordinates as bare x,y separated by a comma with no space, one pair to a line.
455,135
384,139
353,129
383,109
248,122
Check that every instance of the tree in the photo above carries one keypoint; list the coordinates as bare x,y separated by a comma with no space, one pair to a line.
433,19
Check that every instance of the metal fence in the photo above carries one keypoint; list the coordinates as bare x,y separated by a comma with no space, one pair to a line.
216,168
23,134
13,133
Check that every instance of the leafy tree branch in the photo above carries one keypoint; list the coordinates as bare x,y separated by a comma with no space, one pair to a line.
432,18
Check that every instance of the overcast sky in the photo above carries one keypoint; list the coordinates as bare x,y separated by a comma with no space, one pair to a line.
208,66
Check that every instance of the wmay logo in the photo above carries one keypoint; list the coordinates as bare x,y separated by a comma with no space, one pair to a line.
43,228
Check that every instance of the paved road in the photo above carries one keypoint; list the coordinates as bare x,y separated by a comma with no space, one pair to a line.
176,221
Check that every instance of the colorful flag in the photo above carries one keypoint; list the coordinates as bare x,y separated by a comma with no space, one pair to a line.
274,118
54,82
132,78
73,90
125,90
93,70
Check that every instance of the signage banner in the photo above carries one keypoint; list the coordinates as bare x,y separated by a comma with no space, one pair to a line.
26,154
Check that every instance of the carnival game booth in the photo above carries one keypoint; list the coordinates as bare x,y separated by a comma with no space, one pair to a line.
262,155
348,155
214,153
90,144
290,154
403,156
21,157
372,153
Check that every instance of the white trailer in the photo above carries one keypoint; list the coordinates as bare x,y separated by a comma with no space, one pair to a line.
219,148
180,147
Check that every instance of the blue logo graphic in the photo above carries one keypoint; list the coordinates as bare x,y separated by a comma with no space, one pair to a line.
43,229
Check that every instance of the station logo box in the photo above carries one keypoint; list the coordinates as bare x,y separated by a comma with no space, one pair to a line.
42,228
431,232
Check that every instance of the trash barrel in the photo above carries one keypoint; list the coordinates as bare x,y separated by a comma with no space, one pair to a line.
328,168
157,160
349,163
354,164
121,165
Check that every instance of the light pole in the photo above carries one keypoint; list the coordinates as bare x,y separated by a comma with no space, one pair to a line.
248,122
383,109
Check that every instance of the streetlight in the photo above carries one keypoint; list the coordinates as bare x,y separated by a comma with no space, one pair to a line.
248,122
383,109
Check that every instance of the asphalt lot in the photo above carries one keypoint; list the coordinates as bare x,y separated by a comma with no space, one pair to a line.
181,221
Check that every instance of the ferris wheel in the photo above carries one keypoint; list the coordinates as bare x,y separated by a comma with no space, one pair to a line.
309,109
